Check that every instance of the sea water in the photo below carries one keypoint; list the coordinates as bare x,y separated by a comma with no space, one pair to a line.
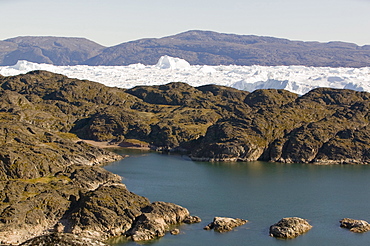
260,192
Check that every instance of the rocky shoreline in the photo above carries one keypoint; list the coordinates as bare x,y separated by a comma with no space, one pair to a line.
50,181
83,200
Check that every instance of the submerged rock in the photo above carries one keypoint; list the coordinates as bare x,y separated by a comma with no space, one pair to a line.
289,228
355,225
223,224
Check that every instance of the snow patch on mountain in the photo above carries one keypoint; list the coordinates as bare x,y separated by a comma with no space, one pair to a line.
297,79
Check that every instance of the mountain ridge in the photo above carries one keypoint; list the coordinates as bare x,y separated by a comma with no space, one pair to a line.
195,46
48,49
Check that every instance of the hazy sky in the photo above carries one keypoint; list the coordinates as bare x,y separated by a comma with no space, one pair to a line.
110,22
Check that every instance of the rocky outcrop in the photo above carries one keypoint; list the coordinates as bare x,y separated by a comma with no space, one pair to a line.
156,220
223,224
33,207
32,152
358,226
62,239
289,228
108,211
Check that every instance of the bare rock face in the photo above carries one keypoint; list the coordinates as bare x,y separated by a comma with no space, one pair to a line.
289,228
355,225
62,239
156,219
223,224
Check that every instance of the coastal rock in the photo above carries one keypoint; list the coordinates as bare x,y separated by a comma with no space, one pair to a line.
289,228
223,224
156,220
32,207
62,239
107,211
355,225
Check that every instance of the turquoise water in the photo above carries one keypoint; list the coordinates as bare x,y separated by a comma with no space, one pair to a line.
260,192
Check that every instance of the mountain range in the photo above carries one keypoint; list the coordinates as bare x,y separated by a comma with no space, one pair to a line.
197,47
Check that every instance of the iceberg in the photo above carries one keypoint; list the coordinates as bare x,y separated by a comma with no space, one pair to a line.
167,62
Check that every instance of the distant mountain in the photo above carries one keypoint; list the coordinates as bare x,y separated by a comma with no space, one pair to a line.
51,50
197,47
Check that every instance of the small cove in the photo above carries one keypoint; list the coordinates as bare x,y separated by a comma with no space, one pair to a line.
260,192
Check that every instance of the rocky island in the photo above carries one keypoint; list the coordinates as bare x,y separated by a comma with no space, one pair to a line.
288,228
52,182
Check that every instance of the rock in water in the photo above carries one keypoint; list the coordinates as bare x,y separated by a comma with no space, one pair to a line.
355,225
223,224
175,232
192,219
289,228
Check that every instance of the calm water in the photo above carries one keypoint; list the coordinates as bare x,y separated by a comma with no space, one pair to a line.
260,192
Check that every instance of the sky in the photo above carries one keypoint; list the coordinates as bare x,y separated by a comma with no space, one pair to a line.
111,22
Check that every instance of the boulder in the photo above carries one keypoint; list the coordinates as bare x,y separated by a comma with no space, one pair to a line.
355,225
223,224
289,228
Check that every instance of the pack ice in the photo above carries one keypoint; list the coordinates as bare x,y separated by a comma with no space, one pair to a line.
297,79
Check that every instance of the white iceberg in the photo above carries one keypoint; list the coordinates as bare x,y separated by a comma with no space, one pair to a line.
167,62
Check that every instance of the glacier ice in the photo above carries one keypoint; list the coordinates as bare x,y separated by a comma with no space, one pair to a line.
297,79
